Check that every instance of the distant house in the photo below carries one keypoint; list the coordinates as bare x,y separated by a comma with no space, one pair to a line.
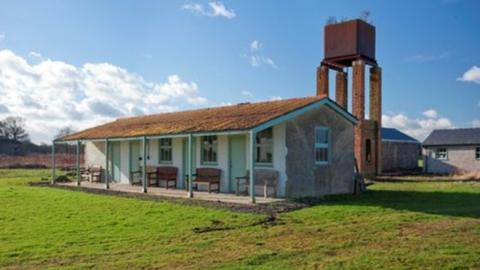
452,150
307,142
400,152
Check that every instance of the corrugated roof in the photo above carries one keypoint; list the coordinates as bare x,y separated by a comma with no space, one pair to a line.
393,134
228,118
462,136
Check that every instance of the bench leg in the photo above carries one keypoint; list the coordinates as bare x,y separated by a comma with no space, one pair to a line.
265,191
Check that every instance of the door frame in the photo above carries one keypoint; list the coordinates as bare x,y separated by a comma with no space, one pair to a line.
230,159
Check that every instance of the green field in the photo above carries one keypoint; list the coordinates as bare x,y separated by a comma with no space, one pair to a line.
393,225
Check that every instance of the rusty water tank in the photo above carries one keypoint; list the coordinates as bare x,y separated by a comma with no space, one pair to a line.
348,41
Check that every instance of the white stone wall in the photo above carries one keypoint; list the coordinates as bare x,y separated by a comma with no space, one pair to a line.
94,155
279,159
460,158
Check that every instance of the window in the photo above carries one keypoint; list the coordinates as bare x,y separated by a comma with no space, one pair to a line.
368,151
264,155
209,149
441,154
477,153
322,145
165,152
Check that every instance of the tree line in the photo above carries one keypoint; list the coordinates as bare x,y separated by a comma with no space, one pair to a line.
13,128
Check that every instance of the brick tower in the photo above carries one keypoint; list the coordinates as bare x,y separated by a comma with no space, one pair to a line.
351,44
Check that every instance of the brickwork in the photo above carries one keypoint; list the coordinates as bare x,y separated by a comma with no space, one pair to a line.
341,90
376,112
358,89
322,81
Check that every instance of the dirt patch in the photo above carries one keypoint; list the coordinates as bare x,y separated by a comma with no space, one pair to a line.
268,209
217,225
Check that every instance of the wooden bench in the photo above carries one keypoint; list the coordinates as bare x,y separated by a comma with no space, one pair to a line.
167,174
94,174
210,176
263,177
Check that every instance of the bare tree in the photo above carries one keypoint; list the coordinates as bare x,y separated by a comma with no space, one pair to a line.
3,134
64,132
14,128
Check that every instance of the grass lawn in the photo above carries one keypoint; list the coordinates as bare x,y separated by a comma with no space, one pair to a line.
393,225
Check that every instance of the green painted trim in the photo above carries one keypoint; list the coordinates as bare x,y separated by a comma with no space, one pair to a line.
207,163
107,154
298,112
78,163
252,166
323,145
53,162
144,163
190,163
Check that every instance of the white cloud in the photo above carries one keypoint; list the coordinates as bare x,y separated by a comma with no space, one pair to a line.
276,98
419,127
471,75
54,94
476,123
216,9
430,113
423,58
257,59
247,93
255,46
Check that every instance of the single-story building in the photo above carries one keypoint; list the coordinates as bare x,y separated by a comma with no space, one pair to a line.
400,152
452,150
307,142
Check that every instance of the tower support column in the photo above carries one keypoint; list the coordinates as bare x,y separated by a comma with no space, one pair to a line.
322,80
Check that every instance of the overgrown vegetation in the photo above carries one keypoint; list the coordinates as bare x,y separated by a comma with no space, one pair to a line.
393,225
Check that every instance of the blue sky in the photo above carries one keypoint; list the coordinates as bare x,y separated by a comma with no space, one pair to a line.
94,57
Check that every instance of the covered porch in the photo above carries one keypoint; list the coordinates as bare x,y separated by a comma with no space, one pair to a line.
136,164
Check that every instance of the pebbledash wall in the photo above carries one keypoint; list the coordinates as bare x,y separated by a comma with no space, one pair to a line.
305,178
460,158
293,156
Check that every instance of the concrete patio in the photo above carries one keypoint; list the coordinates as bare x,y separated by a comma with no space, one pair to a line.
174,193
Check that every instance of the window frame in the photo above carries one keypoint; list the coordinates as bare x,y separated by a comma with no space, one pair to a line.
214,147
260,145
322,145
162,147
437,151
477,153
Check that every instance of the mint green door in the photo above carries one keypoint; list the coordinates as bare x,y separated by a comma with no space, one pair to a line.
115,163
185,157
135,155
237,160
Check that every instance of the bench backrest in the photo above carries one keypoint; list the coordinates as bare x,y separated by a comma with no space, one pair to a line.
208,172
167,171
262,176
95,169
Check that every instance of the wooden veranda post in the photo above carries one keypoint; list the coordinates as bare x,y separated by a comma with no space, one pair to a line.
252,166
190,166
78,163
107,154
53,162
144,163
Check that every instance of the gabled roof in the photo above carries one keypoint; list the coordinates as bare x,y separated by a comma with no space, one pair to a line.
461,136
393,134
244,116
